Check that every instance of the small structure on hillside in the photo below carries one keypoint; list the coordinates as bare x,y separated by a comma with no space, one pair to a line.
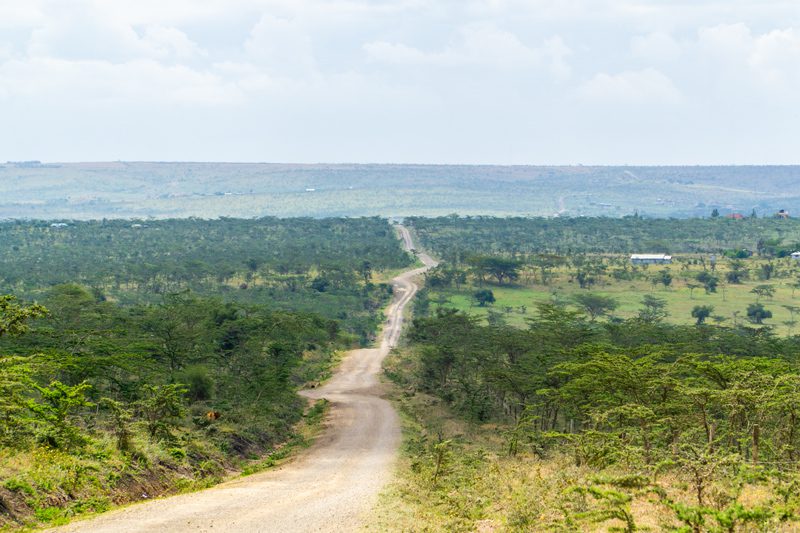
796,256
783,213
651,259
735,216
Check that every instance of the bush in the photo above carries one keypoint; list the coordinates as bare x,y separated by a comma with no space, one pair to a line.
199,382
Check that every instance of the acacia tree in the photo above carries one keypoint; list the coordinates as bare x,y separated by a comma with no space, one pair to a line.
701,312
596,305
653,309
484,297
14,316
709,281
15,372
692,287
763,290
756,313
501,268
737,272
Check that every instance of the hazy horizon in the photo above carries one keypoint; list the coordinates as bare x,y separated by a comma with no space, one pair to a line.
209,190
393,163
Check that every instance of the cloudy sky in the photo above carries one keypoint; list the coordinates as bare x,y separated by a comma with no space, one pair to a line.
429,81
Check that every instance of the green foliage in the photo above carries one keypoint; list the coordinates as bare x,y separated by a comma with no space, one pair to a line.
14,317
616,392
653,309
611,503
453,239
502,269
708,281
308,265
172,350
756,313
199,383
120,423
161,409
596,305
702,312
16,380
763,291
484,297
53,413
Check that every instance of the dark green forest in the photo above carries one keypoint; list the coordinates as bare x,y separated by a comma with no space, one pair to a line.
454,238
325,266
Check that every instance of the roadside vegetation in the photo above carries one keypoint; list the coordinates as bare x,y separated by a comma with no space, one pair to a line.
595,403
578,425
165,358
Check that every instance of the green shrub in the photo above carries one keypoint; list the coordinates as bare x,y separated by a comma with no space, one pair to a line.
199,383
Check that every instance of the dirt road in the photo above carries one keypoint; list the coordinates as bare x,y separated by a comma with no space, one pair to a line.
329,487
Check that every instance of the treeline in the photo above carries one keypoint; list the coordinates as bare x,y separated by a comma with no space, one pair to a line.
101,403
710,410
454,238
325,266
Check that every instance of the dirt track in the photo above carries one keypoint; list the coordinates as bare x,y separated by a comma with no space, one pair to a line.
328,488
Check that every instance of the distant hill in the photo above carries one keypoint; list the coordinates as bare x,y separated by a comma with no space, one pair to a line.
120,189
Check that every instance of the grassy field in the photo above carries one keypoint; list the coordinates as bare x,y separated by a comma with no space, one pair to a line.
516,303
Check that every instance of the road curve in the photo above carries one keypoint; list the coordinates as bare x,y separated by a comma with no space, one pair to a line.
329,487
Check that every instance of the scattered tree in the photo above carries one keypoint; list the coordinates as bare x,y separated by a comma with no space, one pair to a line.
701,312
483,297
756,313
596,305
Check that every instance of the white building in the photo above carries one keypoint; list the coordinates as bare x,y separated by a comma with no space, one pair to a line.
651,259
796,256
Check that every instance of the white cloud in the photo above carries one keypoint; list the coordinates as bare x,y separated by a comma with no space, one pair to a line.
477,76
776,55
398,53
656,46
166,42
281,46
92,82
631,87
725,41
479,45
20,14
770,61
74,36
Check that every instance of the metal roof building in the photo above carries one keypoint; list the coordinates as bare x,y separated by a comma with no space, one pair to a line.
651,259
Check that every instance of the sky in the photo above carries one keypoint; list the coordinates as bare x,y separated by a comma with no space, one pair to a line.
401,81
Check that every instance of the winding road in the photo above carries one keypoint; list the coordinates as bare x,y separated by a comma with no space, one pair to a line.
329,487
